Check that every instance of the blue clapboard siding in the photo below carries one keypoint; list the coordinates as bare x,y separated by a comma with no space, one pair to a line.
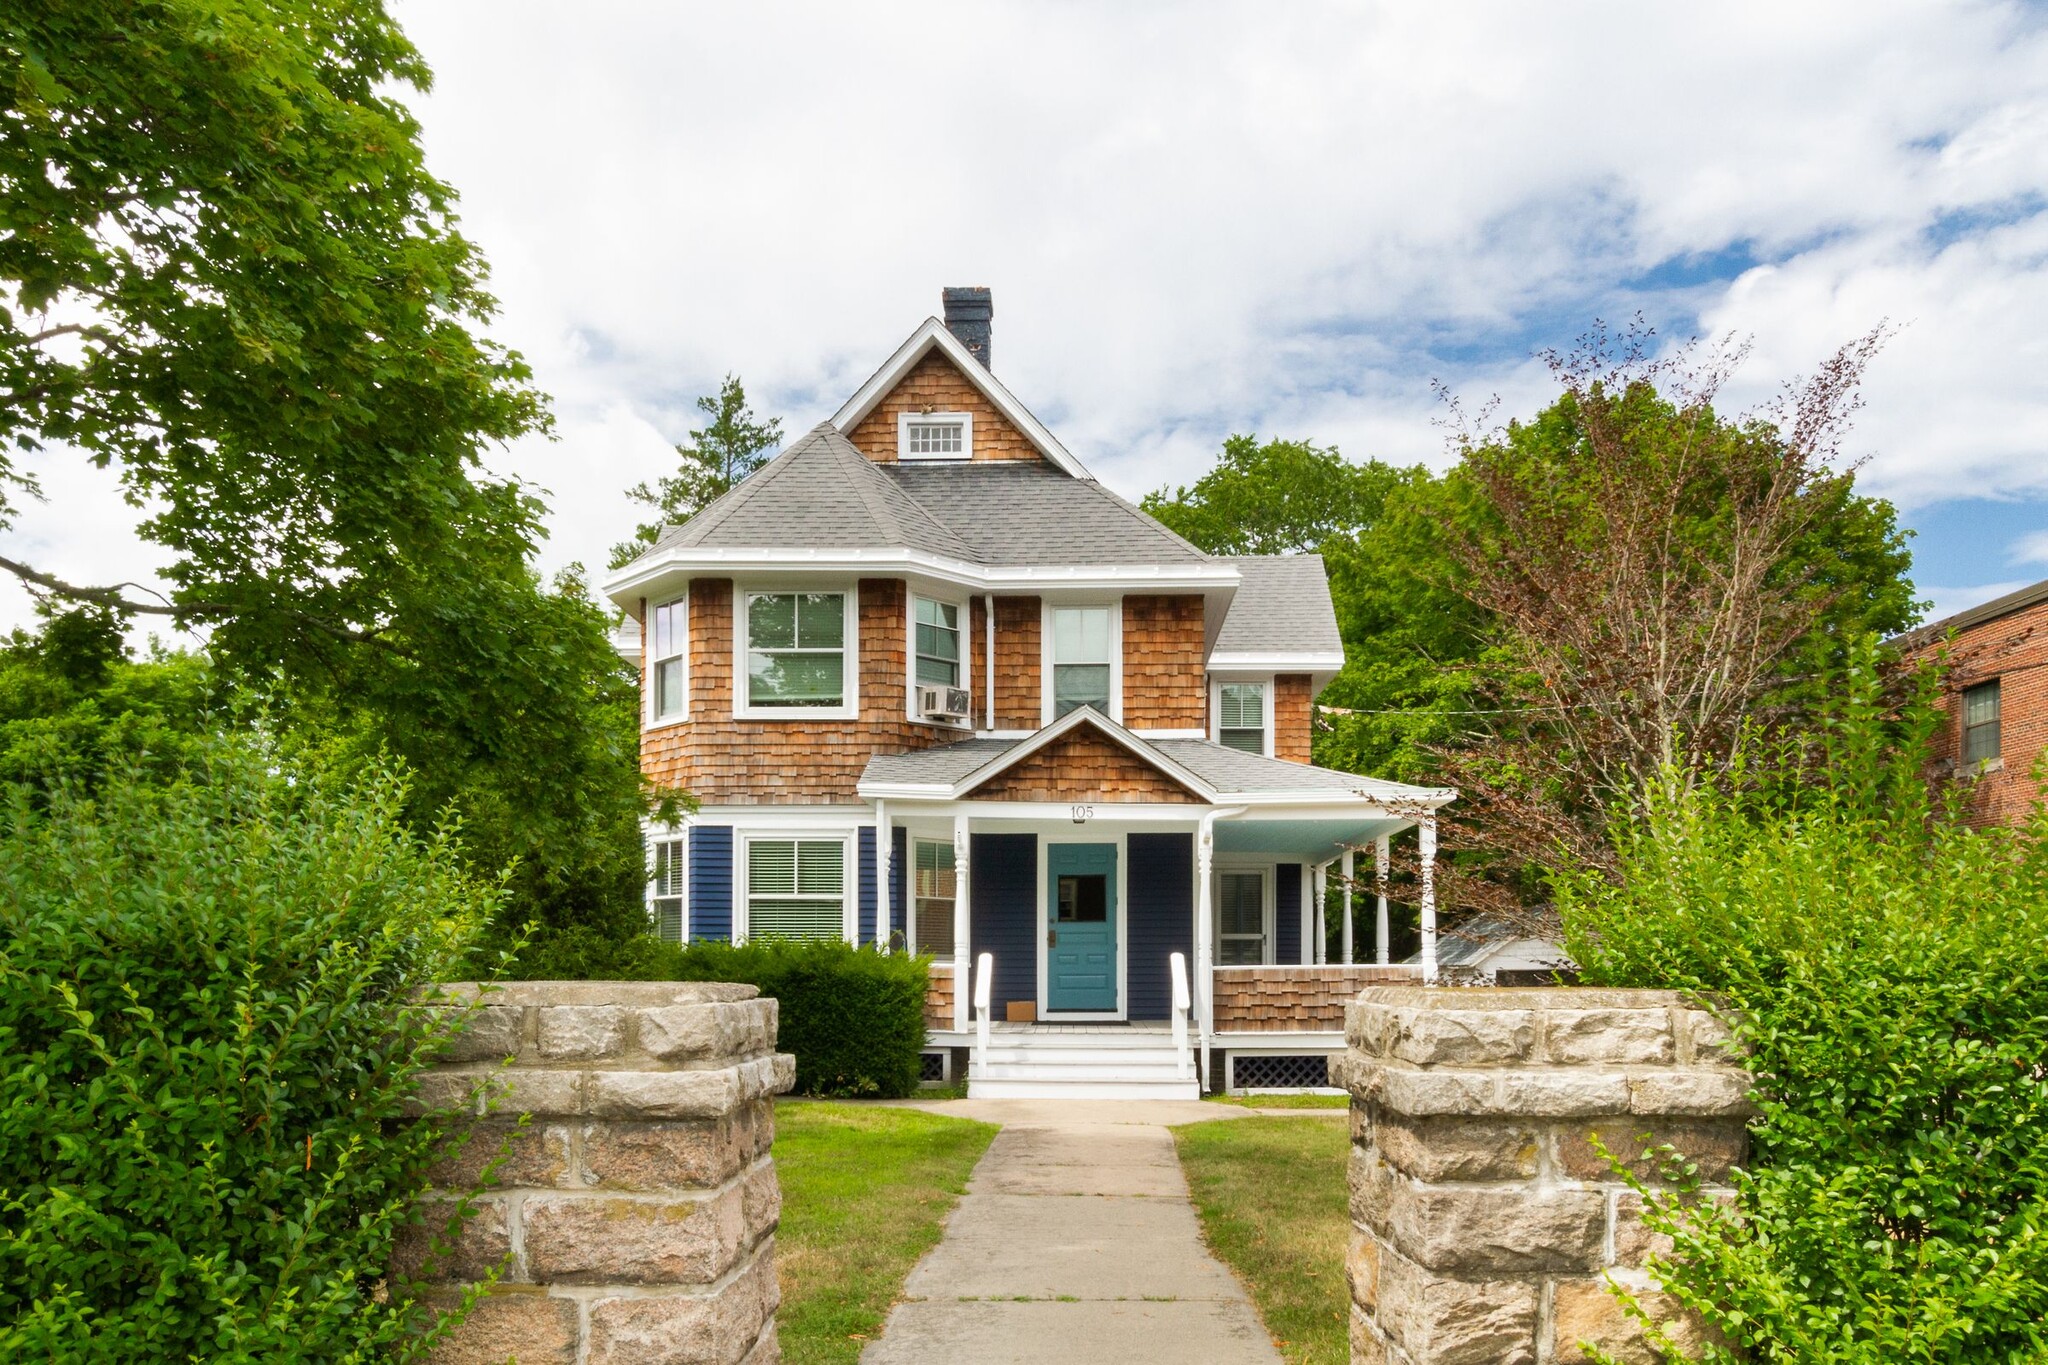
1002,901
1161,878
710,882
865,926
1287,914
898,862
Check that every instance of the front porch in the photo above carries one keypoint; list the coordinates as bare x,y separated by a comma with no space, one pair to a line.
1183,927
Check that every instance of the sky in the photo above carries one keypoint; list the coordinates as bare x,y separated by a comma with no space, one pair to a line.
1199,219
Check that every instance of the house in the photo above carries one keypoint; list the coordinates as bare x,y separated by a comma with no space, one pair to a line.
1996,692
937,689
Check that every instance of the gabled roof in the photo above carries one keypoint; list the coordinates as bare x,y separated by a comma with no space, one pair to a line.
932,335
1215,773
820,493
1282,610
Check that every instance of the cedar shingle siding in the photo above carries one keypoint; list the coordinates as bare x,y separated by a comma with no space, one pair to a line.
1164,686
935,385
1082,765
1017,663
1293,705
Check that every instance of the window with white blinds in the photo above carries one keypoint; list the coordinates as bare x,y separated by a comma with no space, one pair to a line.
1241,716
932,890
796,888
667,888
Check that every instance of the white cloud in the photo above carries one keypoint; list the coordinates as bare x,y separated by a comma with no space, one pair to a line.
2030,549
1201,218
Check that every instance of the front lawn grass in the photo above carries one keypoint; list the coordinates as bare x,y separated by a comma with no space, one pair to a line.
1273,1202
864,1190
1289,1099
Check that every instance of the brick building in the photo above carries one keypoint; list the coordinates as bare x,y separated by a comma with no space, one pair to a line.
1996,692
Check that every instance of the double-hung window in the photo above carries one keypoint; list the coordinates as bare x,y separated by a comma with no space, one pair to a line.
796,651
1081,642
1980,723
1241,919
1241,716
796,888
665,660
667,888
938,642
932,890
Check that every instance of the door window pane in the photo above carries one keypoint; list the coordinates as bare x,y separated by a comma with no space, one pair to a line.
1084,899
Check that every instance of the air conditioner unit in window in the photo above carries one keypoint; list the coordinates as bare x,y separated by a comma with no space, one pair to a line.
936,701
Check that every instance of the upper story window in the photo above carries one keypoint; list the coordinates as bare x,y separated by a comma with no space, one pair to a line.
665,660
1241,716
1082,638
1980,723
938,642
935,436
796,888
796,651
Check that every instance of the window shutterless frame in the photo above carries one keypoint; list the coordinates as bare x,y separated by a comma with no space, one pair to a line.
794,656
932,889
668,886
1981,724
1243,899
1081,655
935,436
667,635
1241,714
794,884
937,630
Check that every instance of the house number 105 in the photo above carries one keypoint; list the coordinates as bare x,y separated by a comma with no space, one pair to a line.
1083,814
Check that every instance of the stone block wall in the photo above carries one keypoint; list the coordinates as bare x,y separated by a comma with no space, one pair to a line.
634,1211
1485,1221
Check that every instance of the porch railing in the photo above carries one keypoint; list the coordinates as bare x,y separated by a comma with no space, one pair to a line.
1182,1000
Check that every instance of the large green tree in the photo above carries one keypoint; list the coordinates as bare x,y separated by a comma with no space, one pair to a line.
227,275
731,445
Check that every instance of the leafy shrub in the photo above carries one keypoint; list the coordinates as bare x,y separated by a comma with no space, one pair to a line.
853,1017
208,1028
1888,966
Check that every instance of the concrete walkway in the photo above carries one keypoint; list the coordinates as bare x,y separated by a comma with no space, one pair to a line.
1074,1244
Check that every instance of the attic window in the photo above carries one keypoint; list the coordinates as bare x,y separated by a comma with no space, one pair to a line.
935,436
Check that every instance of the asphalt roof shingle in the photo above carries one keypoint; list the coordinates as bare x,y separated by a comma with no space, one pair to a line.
1282,606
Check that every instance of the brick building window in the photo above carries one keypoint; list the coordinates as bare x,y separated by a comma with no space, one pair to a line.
796,650
666,888
665,660
796,888
1081,644
1241,716
1980,723
932,890
935,436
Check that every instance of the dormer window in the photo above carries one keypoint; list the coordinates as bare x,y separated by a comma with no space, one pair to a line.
935,436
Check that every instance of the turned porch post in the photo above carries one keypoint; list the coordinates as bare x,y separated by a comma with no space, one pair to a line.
1380,862
963,983
1347,869
1321,872
1427,831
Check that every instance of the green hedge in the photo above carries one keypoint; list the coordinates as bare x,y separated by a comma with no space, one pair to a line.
1888,966
207,1030
853,1017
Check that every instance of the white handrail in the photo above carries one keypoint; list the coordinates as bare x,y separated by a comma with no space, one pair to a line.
1182,1001
984,967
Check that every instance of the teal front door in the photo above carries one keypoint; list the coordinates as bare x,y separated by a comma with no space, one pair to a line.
1080,930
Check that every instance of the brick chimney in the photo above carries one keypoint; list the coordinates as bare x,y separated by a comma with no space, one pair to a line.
969,311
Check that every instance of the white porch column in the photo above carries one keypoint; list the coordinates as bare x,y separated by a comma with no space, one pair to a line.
1380,864
963,983
884,911
1347,869
1321,872
1427,830
1205,937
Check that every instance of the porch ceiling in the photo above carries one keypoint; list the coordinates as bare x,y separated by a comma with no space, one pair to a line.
1310,840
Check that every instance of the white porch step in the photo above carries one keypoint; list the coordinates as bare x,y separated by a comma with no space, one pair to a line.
1106,1089
1036,1071
1077,1063
1081,1056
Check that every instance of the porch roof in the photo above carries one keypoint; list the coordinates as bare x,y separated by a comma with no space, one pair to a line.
1218,774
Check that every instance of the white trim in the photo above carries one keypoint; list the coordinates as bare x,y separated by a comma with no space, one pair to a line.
849,873
897,561
849,708
1266,708
964,607
988,655
1188,733
1121,934
1115,610
1269,876
905,420
651,662
1277,661
932,335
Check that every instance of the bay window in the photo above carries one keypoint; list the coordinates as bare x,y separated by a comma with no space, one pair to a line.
796,651
938,642
665,660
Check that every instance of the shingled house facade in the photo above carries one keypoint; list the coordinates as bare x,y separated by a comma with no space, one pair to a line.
937,689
